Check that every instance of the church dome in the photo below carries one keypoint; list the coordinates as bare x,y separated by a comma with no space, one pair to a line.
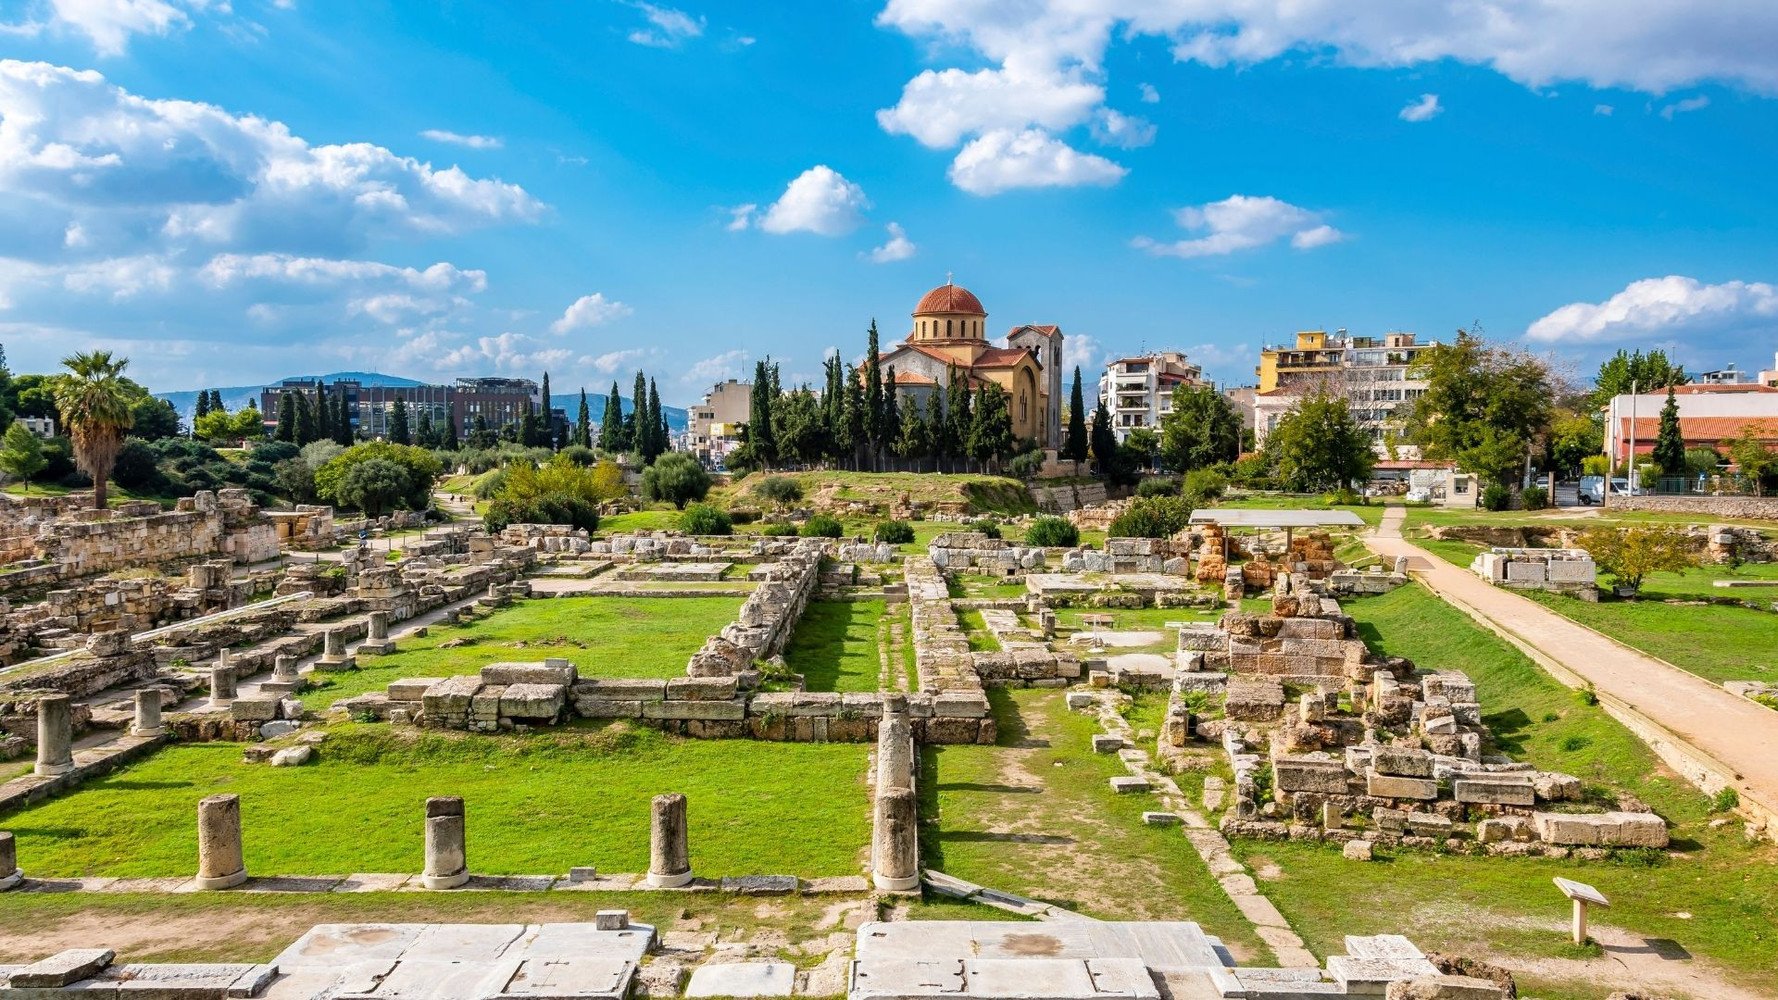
949,298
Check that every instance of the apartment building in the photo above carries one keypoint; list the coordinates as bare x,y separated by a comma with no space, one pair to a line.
499,401
714,426
1138,391
1371,372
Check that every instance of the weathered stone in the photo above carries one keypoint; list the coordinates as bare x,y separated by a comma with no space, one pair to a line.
1611,829
9,862
1494,790
1309,774
62,969
220,864
148,713
669,864
55,736
447,858
896,849
1444,988
1401,762
1386,786
1356,850
295,756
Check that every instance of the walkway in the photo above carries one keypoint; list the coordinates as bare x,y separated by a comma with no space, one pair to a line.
1721,733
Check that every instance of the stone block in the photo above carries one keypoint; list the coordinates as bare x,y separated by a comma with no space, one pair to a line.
1519,571
611,920
411,688
701,689
253,709
742,979
552,672
1356,850
1129,785
292,756
1309,774
533,701
608,708
1401,762
1444,988
959,705
725,710
63,968
621,688
1387,786
1107,743
1612,829
1553,786
1501,790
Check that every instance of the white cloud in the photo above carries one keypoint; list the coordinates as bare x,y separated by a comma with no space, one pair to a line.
1687,105
1113,128
1082,350
819,201
459,139
667,28
898,247
1003,160
589,311
611,361
1603,109
940,108
1244,222
741,216
110,24
1149,94
1424,109
714,369
1673,306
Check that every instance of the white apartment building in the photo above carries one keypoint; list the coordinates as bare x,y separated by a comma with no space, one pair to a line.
713,426
1138,391
1371,372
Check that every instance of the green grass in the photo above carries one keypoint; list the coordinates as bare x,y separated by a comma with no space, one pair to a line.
1742,644
604,637
837,644
904,616
666,519
537,804
1127,619
980,639
1371,514
978,585
1473,904
1034,815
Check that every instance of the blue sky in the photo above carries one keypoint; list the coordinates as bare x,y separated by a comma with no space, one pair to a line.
231,192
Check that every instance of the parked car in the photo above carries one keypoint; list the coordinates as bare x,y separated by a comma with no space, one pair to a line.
1592,488
1418,494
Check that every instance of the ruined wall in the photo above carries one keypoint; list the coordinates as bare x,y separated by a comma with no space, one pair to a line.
1757,508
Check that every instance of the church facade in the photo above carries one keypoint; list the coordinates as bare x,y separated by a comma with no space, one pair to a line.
950,334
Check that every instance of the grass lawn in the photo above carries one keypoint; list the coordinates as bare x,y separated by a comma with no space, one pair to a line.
980,639
603,636
837,644
1126,619
980,585
1371,514
1034,815
539,804
666,519
1742,644
1713,894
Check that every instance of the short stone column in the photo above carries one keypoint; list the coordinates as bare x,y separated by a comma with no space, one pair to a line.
55,736
669,855
896,852
222,686
895,752
377,643
220,862
9,862
333,653
284,667
148,713
447,858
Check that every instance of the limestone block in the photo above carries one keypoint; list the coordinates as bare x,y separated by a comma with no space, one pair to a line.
1129,784
1572,571
1356,850
411,688
1519,571
1444,988
1388,786
1494,790
958,705
620,689
533,701
1309,774
608,708
253,709
1553,786
1612,829
729,710
62,969
551,672
292,756
701,689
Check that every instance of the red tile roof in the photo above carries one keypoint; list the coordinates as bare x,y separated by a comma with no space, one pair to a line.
1699,429
1047,330
913,378
1001,357
949,298
1700,388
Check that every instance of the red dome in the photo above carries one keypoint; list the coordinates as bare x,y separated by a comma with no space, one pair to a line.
949,298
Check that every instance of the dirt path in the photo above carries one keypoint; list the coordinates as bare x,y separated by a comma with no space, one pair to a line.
1738,736
1631,961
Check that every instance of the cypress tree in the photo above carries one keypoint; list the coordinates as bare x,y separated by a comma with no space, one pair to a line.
1076,446
216,402
398,429
323,413
857,418
286,418
957,420
891,412
659,438
873,394
1104,442
937,441
639,414
305,419
583,423
1669,451
447,436
203,406
549,415
760,437
611,429
425,434
342,417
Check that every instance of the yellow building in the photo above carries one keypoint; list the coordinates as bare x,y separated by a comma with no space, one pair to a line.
1374,374
950,334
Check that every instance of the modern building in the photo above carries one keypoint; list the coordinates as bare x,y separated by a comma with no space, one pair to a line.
43,427
1709,414
1372,373
1725,376
715,424
499,401
1138,391
950,336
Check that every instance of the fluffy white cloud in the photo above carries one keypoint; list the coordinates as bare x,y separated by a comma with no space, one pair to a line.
1689,104
1083,351
1603,109
1243,222
1003,160
1673,306
714,369
898,247
667,27
1113,128
1425,109
459,139
1149,94
819,201
940,108
611,361
109,24
508,352
589,311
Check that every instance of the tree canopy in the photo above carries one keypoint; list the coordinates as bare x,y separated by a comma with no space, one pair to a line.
1484,406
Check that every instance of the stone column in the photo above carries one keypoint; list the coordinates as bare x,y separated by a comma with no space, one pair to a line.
896,853
447,859
334,647
284,668
222,687
148,713
220,864
55,735
669,858
379,626
9,862
895,753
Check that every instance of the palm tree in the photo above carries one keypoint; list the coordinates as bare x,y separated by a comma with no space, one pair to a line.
95,404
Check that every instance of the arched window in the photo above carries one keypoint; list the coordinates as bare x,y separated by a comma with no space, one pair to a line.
947,328
1022,408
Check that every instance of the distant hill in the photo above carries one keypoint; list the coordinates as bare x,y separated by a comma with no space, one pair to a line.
238,396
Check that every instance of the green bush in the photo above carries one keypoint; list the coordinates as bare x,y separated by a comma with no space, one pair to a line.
986,527
556,507
1496,497
779,489
1205,484
1026,466
1535,498
1052,532
580,454
1725,800
705,519
1343,497
743,515
1157,486
675,478
781,529
895,532
822,526
1152,517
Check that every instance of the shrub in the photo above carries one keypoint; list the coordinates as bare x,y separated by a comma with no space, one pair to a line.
675,478
705,519
1026,466
1345,496
1157,486
1496,497
557,507
488,483
822,526
137,466
1152,517
559,492
986,527
418,468
1629,554
895,532
743,515
781,529
1205,484
1535,498
1725,800
779,489
1052,532
273,452
579,454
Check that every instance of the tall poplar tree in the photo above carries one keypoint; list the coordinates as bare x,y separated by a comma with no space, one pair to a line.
611,429
873,396
583,422
1075,447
